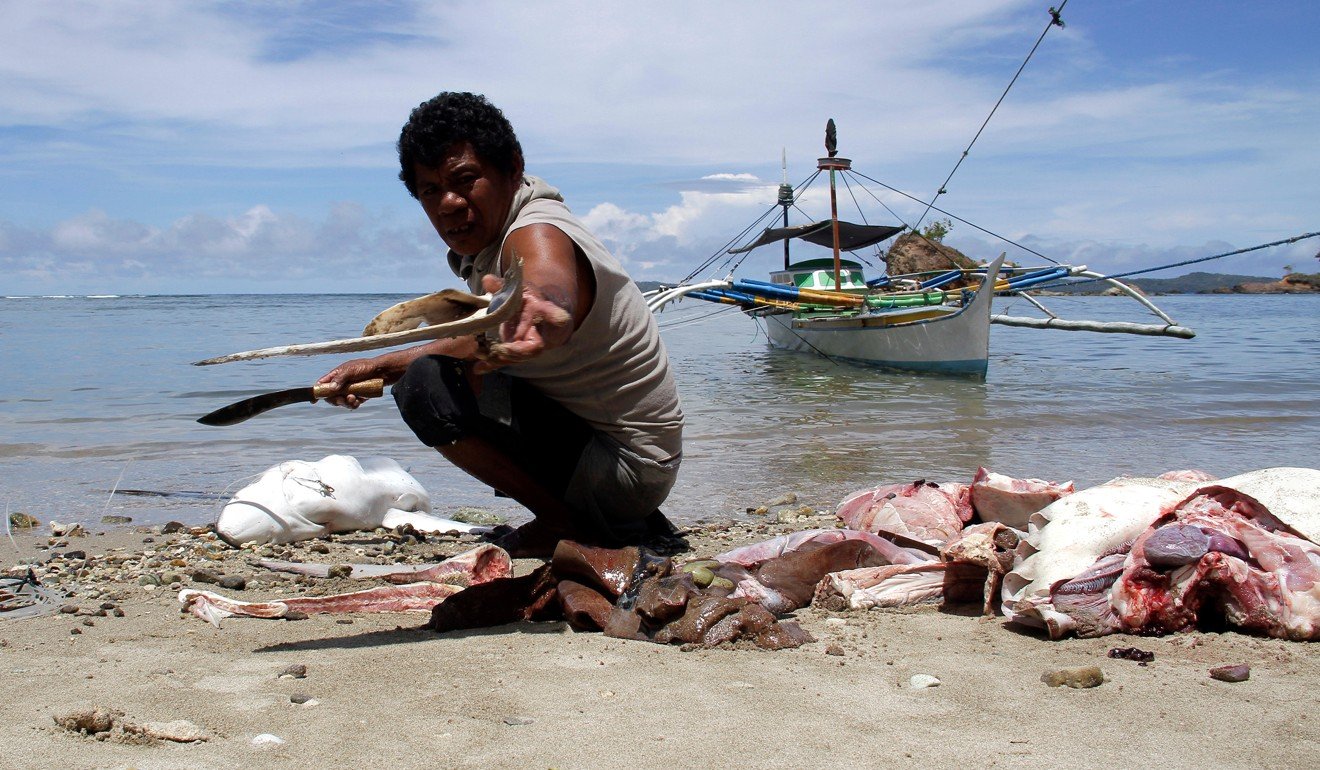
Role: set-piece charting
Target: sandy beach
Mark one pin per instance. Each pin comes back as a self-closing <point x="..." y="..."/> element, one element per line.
<point x="380" y="691"/>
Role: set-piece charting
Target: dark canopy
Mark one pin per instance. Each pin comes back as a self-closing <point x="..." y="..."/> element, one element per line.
<point x="851" y="236"/>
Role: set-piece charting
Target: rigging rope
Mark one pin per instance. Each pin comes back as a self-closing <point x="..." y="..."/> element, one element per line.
<point x="1055" y="21"/>
<point x="722" y="251"/>
<point x="950" y="215"/>
<point x="704" y="317"/>
<point x="738" y="259"/>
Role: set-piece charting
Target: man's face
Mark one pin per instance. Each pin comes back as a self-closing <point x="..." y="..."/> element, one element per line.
<point x="466" y="198"/>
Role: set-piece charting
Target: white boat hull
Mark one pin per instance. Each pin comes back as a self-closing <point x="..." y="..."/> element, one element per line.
<point x="943" y="340"/>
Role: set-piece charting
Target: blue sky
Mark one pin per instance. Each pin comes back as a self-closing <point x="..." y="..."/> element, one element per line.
<point x="184" y="147"/>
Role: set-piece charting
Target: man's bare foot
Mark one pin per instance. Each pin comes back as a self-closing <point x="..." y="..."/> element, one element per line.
<point x="533" y="540"/>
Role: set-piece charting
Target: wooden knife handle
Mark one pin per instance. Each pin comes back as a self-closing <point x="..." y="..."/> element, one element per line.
<point x="365" y="389"/>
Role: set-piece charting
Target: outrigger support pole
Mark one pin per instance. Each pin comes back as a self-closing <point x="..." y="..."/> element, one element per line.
<point x="1112" y="327"/>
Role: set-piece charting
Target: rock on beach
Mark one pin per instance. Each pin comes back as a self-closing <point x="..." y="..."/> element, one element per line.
<point x="1081" y="677"/>
<point x="1240" y="672"/>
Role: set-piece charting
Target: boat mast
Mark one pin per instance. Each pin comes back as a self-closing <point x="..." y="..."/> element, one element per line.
<point x="785" y="199"/>
<point x="833" y="164"/>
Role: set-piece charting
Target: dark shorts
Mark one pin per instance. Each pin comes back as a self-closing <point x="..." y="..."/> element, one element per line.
<point x="610" y="487"/>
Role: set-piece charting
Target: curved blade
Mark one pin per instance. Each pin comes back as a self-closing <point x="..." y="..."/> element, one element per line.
<point x="251" y="407"/>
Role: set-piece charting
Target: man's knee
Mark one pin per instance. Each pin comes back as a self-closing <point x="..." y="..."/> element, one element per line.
<point x="435" y="400"/>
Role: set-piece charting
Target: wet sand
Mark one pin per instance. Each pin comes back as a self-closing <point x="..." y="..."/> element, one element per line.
<point x="385" y="693"/>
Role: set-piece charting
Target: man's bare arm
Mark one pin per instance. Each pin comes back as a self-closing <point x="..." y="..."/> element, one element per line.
<point x="558" y="293"/>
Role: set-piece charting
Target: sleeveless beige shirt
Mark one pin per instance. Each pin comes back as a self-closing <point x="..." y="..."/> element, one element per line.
<point x="614" y="371"/>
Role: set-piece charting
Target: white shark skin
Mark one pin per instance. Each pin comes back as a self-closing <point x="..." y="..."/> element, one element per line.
<point x="300" y="500"/>
<point x="1066" y="537"/>
<point x="1292" y="495"/>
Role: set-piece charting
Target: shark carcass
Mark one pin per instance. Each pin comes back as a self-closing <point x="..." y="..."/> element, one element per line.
<point x="1154" y="556"/>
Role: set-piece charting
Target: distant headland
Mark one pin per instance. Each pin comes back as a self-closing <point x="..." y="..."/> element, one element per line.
<point x="1211" y="283"/>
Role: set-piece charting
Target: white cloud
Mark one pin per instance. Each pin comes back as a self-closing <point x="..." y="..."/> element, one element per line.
<point x="669" y="243"/>
<point x="258" y="249"/>
<point x="673" y="82"/>
<point x="1097" y="142"/>
<point x="94" y="232"/>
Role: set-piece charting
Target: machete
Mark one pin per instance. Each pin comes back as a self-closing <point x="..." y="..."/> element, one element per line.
<point x="251" y="407"/>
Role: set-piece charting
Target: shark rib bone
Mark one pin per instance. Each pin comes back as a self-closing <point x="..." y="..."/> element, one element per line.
<point x="451" y="313"/>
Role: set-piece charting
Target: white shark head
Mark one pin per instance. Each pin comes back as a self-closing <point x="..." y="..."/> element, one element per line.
<point x="299" y="500"/>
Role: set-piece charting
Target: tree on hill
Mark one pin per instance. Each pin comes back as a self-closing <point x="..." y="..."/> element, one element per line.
<point x="937" y="229"/>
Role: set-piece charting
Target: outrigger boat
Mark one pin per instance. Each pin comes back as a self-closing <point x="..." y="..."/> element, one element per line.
<point x="915" y="322"/>
<point x="825" y="306"/>
<point x="892" y="330"/>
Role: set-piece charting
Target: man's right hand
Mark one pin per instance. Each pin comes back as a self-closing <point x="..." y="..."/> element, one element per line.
<point x="349" y="372"/>
<point x="391" y="366"/>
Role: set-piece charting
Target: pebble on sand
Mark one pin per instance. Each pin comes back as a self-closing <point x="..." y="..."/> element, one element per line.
<point x="1081" y="677"/>
<point x="67" y="530"/>
<point x="922" y="681"/>
<point x="266" y="739"/>
<point x="233" y="582"/>
<point x="1240" y="672"/>
<point x="20" y="520"/>
<point x="294" y="671"/>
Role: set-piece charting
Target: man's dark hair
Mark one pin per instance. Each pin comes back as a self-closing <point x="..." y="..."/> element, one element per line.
<point x="456" y="116"/>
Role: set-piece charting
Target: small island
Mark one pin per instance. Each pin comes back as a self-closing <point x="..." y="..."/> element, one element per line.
<point x="1292" y="283"/>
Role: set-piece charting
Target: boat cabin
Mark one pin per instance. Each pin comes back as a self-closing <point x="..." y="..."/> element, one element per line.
<point x="819" y="274"/>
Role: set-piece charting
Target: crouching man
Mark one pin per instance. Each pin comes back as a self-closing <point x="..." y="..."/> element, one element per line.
<point x="572" y="411"/>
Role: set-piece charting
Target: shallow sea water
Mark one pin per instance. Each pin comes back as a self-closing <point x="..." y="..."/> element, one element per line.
<point x="100" y="395"/>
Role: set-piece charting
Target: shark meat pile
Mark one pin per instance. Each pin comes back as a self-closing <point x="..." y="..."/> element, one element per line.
<point x="1134" y="555"/>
